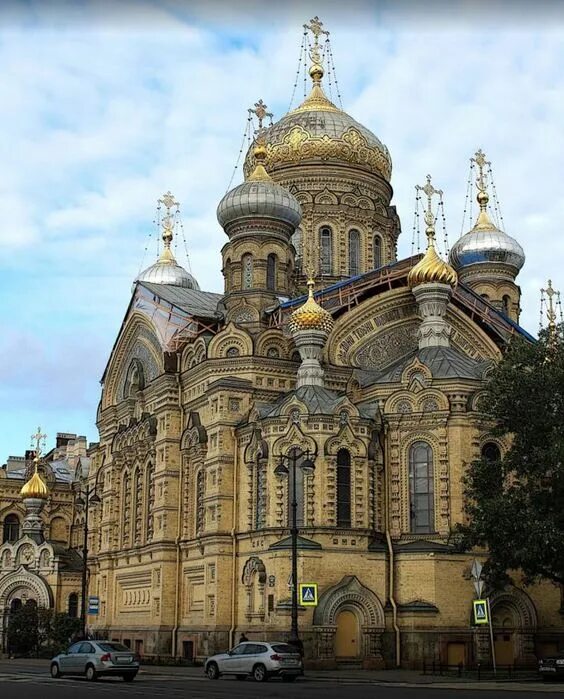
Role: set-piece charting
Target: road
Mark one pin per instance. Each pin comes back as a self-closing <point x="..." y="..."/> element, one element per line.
<point x="19" y="685"/>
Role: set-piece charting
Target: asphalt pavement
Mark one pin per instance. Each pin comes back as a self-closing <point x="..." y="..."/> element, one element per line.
<point x="19" y="684"/>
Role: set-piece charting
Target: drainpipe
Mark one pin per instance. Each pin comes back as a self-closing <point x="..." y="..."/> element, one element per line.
<point x="382" y="438"/>
<point x="179" y="519"/>
<point x="234" y="542"/>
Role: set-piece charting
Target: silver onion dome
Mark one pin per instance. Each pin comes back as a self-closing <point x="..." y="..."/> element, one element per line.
<point x="259" y="198"/>
<point x="168" y="271"/>
<point x="487" y="245"/>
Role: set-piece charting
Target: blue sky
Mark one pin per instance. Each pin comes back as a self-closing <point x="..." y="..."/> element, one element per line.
<point x="108" y="105"/>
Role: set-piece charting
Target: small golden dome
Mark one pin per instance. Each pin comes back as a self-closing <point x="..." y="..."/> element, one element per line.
<point x="35" y="487"/>
<point x="311" y="316"/>
<point x="431" y="268"/>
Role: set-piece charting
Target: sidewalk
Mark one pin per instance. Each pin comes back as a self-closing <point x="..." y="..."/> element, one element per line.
<point x="405" y="678"/>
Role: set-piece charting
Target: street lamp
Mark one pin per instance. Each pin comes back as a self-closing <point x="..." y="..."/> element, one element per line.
<point x="282" y="471"/>
<point x="85" y="499"/>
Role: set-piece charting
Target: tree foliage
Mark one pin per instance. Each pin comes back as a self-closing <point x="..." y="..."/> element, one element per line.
<point x="31" y="629"/>
<point x="515" y="506"/>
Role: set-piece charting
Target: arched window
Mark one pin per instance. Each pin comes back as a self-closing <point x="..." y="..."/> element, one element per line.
<point x="297" y="242"/>
<point x="247" y="271"/>
<point x="15" y="604"/>
<point x="377" y="250"/>
<point x="271" y="272"/>
<point x="421" y="490"/>
<point x="485" y="297"/>
<point x="150" y="479"/>
<point x="200" y="502"/>
<point x="260" y="495"/>
<point x="11" y="528"/>
<point x="73" y="605"/>
<point x="326" y="250"/>
<point x="299" y="490"/>
<point x="491" y="452"/>
<point x="227" y="273"/>
<point x="506" y="304"/>
<point x="343" y="488"/>
<point x="354" y="252"/>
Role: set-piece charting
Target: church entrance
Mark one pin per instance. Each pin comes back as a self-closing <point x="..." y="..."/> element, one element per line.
<point x="347" y="635"/>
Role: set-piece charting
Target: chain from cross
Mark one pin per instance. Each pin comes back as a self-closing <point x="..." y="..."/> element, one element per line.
<point x="36" y="440"/>
<point x="480" y="160"/>
<point x="429" y="191"/>
<point x="261" y="112"/>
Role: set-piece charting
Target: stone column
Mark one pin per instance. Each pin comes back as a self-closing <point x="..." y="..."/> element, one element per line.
<point x="33" y="524"/>
<point x="310" y="345"/>
<point x="432" y="301"/>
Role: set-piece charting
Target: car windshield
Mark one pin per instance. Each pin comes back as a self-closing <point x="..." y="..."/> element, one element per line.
<point x="114" y="648"/>
<point x="284" y="648"/>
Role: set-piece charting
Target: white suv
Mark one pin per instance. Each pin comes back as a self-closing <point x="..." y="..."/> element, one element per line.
<point x="259" y="659"/>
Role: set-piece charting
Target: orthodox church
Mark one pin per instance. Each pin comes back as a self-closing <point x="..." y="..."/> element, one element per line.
<point x="330" y="381"/>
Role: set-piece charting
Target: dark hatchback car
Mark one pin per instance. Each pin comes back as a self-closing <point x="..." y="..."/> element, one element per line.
<point x="552" y="668"/>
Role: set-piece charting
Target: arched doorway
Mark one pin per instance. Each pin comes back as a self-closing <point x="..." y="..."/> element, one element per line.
<point x="514" y="622"/>
<point x="347" y="635"/>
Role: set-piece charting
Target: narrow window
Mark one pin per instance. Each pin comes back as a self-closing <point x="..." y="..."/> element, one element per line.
<point x="126" y="502"/>
<point x="227" y="273"/>
<point x="325" y="247"/>
<point x="73" y="605"/>
<point x="271" y="272"/>
<point x="354" y="252"/>
<point x="247" y="271"/>
<point x="422" y="515"/>
<point x="297" y="242"/>
<point x="11" y="529"/>
<point x="506" y="304"/>
<point x="299" y="489"/>
<point x="377" y="251"/>
<point x="343" y="488"/>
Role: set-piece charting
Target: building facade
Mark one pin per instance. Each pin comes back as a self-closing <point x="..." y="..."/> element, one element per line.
<point x="378" y="376"/>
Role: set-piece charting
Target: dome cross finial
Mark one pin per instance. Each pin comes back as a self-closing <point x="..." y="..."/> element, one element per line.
<point x="37" y="440"/>
<point x="483" y="196"/>
<point x="167" y="221"/>
<point x="316" y="71"/>
<point x="429" y="192"/>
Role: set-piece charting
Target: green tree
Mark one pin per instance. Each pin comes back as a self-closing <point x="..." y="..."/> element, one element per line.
<point x="515" y="506"/>
<point x="63" y="629"/>
<point x="23" y="634"/>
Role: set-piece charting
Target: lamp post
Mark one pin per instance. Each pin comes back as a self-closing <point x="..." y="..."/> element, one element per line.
<point x="85" y="498"/>
<point x="308" y="467"/>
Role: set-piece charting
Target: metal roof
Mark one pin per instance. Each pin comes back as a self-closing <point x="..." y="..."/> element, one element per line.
<point x="193" y="301"/>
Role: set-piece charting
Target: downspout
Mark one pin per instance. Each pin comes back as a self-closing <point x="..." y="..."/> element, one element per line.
<point x="391" y="581"/>
<point x="179" y="520"/>
<point x="234" y="543"/>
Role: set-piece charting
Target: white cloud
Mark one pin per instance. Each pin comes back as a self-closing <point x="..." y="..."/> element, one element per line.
<point x="108" y="105"/>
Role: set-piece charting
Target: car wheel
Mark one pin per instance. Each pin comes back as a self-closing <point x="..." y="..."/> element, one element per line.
<point x="288" y="678"/>
<point x="55" y="671"/>
<point x="91" y="674"/>
<point x="259" y="673"/>
<point x="129" y="677"/>
<point x="212" y="671"/>
<point x="241" y="678"/>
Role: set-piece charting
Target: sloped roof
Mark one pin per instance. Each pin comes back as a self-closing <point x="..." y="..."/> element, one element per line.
<point x="442" y="362"/>
<point x="193" y="301"/>
<point x="319" y="401"/>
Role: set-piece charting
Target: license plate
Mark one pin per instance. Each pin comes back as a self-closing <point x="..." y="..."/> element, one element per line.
<point x="547" y="669"/>
<point x="124" y="659"/>
<point x="289" y="661"/>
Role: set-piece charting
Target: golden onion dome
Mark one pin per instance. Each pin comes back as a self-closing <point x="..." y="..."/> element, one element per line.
<point x="431" y="268"/>
<point x="317" y="130"/>
<point x="35" y="487"/>
<point x="311" y="316"/>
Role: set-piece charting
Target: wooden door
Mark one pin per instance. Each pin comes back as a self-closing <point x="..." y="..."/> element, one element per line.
<point x="504" y="648"/>
<point x="456" y="653"/>
<point x="347" y="636"/>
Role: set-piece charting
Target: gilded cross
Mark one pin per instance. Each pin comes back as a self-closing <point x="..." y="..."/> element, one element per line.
<point x="429" y="192"/>
<point x="551" y="311"/>
<point x="261" y="111"/>
<point x="480" y="160"/>
<point x="36" y="440"/>
<point x="315" y="27"/>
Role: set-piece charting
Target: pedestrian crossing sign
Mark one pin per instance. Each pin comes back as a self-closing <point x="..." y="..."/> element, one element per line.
<point x="480" y="611"/>
<point x="308" y="594"/>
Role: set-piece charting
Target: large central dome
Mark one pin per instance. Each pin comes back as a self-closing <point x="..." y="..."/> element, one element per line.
<point x="319" y="131"/>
